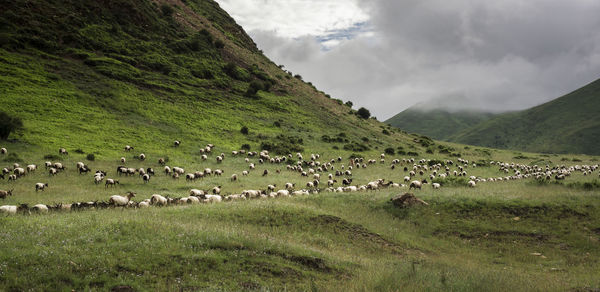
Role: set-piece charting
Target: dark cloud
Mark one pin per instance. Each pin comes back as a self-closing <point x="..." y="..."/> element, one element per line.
<point x="488" y="55"/>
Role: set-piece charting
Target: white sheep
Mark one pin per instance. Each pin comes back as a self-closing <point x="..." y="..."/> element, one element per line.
<point x="146" y="178"/>
<point x="245" y="173"/>
<point x="158" y="200"/>
<point x="31" y="168"/>
<point x="415" y="184"/>
<point x="216" y="190"/>
<point x="436" y="185"/>
<point x="40" y="208"/>
<point x="111" y="182"/>
<point x="471" y="184"/>
<point x="117" y="200"/>
<point x="213" y="198"/>
<point x="196" y="192"/>
<point x="142" y="156"/>
<point x="40" y="186"/>
<point x="123" y="159"/>
<point x="3" y="150"/>
<point x="234" y="177"/>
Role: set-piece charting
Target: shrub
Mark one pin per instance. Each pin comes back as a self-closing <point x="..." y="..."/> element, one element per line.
<point x="52" y="157"/>
<point x="244" y="130"/>
<point x="389" y="151"/>
<point x="365" y="139"/>
<point x="167" y="10"/>
<point x="358" y="147"/>
<point x="363" y="113"/>
<point x="8" y="125"/>
<point x="385" y="132"/>
<point x="253" y="88"/>
<point x="79" y="151"/>
<point x="277" y="124"/>
<point x="298" y="76"/>
<point x="429" y="151"/>
<point x="219" y="44"/>
<point x="90" y="157"/>
<point x="246" y="146"/>
<point x="13" y="157"/>
<point x="349" y="103"/>
<point x="412" y="153"/>
<point x="354" y="155"/>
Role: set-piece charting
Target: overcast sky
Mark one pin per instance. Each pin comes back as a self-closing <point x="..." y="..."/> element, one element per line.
<point x="387" y="55"/>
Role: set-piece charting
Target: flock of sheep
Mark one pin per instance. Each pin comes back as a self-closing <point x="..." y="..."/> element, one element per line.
<point x="313" y="169"/>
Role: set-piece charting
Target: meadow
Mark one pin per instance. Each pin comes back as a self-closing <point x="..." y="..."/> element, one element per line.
<point x="517" y="235"/>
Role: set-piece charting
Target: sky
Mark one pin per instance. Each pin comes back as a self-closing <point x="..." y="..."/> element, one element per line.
<point x="387" y="55"/>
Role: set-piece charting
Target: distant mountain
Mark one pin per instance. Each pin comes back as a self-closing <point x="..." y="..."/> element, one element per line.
<point x="569" y="124"/>
<point x="436" y="123"/>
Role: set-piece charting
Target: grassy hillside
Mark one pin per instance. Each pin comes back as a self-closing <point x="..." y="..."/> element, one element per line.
<point x="569" y="124"/>
<point x="436" y="123"/>
<point x="97" y="75"/>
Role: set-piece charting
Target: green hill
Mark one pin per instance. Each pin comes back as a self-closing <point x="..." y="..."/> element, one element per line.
<point x="97" y="75"/>
<point x="569" y="124"/>
<point x="436" y="123"/>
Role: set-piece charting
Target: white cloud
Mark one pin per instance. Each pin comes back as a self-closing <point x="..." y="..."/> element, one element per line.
<point x="387" y="55"/>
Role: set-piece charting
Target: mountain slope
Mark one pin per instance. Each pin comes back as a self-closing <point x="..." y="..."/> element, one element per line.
<point x="101" y="74"/>
<point x="436" y="123"/>
<point x="569" y="124"/>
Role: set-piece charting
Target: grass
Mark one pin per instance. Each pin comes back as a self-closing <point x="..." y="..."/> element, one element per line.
<point x="466" y="239"/>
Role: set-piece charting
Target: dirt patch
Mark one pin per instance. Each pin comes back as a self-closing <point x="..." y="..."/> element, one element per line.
<point x="407" y="200"/>
<point x="356" y="232"/>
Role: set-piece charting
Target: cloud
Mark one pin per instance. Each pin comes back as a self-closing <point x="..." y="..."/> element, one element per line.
<point x="387" y="55"/>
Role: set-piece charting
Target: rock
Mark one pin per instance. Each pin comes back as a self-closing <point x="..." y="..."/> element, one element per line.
<point x="407" y="200"/>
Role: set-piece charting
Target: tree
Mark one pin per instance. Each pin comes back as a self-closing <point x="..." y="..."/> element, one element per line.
<point x="9" y="124"/>
<point x="349" y="103"/>
<point x="364" y="113"/>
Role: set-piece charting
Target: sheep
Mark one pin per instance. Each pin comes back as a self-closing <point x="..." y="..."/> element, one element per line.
<point x="123" y="160"/>
<point x="289" y="186"/>
<point x="346" y="181"/>
<point x="245" y="173"/>
<point x="142" y="156"/>
<point x="219" y="159"/>
<point x="58" y="166"/>
<point x="271" y="187"/>
<point x="436" y="185"/>
<point x="144" y="204"/>
<point x="266" y="172"/>
<point x="161" y="161"/>
<point x="415" y="184"/>
<point x="213" y="198"/>
<point x="193" y="200"/>
<point x="31" y="168"/>
<point x="234" y="197"/>
<point x="331" y="182"/>
<point x="146" y="178"/>
<point x="283" y="193"/>
<point x="218" y="172"/>
<point x="117" y="200"/>
<point x="63" y="151"/>
<point x="176" y="143"/>
<point x="111" y="182"/>
<point x="158" y="200"/>
<point x="40" y="208"/>
<point x="3" y="150"/>
<point x="196" y="192"/>
<point x="98" y="179"/>
<point x="190" y="176"/>
<point x="11" y="209"/>
<point x="52" y="171"/>
<point x="12" y="177"/>
<point x="167" y="170"/>
<point x="4" y="194"/>
<point x="5" y="171"/>
<point x="40" y="186"/>
<point x="19" y="171"/>
<point x="128" y="148"/>
<point x="471" y="184"/>
<point x="216" y="190"/>
<point x="178" y="170"/>
<point x="234" y="177"/>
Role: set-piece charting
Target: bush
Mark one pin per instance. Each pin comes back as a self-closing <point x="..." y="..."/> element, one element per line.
<point x="219" y="44"/>
<point x="253" y="88"/>
<point x="167" y="10"/>
<point x="298" y="76"/>
<point x="385" y="132"/>
<point x="246" y="146"/>
<point x="79" y="151"/>
<point x="277" y="124"/>
<point x="90" y="157"/>
<point x="13" y="157"/>
<point x="412" y="153"/>
<point x="358" y="147"/>
<point x="244" y="130"/>
<point x="349" y="104"/>
<point x="389" y="151"/>
<point x="52" y="157"/>
<point x="8" y="125"/>
<point x="363" y="113"/>
<point x="354" y="155"/>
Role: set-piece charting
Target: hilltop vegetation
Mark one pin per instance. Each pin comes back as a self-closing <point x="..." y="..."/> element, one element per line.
<point x="569" y="124"/>
<point x="437" y="123"/>
<point x="98" y="75"/>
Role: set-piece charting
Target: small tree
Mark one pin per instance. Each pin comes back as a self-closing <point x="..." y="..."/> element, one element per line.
<point x="363" y="113"/>
<point x="9" y="124"/>
<point x="349" y="104"/>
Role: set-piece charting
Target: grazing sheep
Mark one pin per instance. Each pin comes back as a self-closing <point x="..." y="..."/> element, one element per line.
<point x="58" y="166"/>
<point x="289" y="186"/>
<point x="19" y="171"/>
<point x="117" y="200"/>
<point x="123" y="160"/>
<point x="128" y="148"/>
<point x="245" y="173"/>
<point x="144" y="204"/>
<point x="283" y="193"/>
<point x="219" y="159"/>
<point x="11" y="209"/>
<point x="196" y="192"/>
<point x="41" y="208"/>
<point x="40" y="186"/>
<point x="146" y="178"/>
<point x="216" y="190"/>
<point x="176" y="143"/>
<point x="471" y="184"/>
<point x="111" y="182"/>
<point x="4" y="194"/>
<point x="234" y="177"/>
<point x="175" y="175"/>
<point x="142" y="156"/>
<point x="167" y="170"/>
<point x="98" y="179"/>
<point x="178" y="170"/>
<point x="213" y="198"/>
<point x="436" y="185"/>
<point x="5" y="171"/>
<point x="207" y="171"/>
<point x="3" y="150"/>
<point x="218" y="172"/>
<point x="158" y="200"/>
<point x="63" y="151"/>
<point x="52" y="171"/>
<point x="12" y="177"/>
<point x="415" y="184"/>
<point x="266" y="172"/>
<point x="161" y="161"/>
<point x="193" y="200"/>
<point x="31" y="168"/>
<point x="190" y="177"/>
